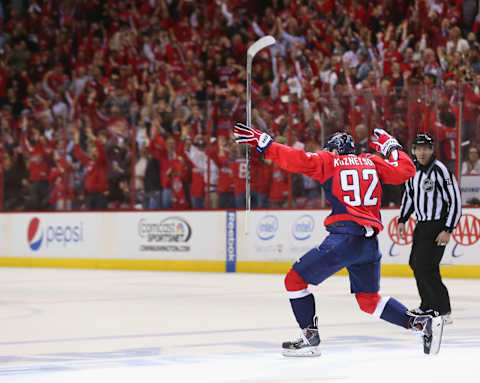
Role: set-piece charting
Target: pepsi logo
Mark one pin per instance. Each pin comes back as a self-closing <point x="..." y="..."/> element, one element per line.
<point x="34" y="234"/>
<point x="51" y="236"/>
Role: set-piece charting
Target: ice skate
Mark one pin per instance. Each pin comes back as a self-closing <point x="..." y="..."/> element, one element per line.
<point x="447" y="319"/>
<point x="307" y="345"/>
<point x="430" y="327"/>
<point x="416" y="311"/>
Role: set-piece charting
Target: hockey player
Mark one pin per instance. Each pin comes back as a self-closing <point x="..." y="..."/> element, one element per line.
<point x="352" y="186"/>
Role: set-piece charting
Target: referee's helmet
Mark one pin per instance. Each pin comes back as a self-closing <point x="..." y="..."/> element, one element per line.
<point x="423" y="139"/>
<point x="343" y="142"/>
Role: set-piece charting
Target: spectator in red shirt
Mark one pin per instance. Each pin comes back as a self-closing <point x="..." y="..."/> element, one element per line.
<point x="36" y="151"/>
<point x="178" y="176"/>
<point x="239" y="173"/>
<point x="225" y="174"/>
<point x="262" y="179"/>
<point x="279" y="187"/>
<point x="169" y="160"/>
<point x="61" y="183"/>
<point x="96" y="166"/>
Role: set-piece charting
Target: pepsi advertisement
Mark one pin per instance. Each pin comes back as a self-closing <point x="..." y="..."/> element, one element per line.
<point x="58" y="234"/>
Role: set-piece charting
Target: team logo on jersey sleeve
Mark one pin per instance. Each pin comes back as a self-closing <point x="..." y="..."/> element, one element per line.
<point x="34" y="234"/>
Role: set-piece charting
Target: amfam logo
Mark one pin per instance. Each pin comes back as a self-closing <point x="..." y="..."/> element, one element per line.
<point x="303" y="227"/>
<point x="53" y="235"/>
<point x="267" y="227"/>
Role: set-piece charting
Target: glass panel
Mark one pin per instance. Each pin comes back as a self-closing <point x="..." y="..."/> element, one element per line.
<point x="166" y="153"/>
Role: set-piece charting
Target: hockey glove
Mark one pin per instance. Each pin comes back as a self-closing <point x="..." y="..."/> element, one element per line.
<point x="250" y="135"/>
<point x="385" y="144"/>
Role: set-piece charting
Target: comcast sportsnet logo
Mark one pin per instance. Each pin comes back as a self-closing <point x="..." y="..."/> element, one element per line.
<point x="34" y="234"/>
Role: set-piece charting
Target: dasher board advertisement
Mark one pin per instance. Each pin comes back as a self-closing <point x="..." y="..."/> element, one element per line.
<point x="283" y="235"/>
<point x="170" y="235"/>
<point x="463" y="248"/>
<point x="470" y="189"/>
<point x="63" y="235"/>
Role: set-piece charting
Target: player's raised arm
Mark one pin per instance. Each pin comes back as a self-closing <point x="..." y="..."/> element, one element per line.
<point x="397" y="167"/>
<point x="287" y="157"/>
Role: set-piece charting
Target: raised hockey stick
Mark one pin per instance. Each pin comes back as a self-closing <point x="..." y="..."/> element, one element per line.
<point x="253" y="49"/>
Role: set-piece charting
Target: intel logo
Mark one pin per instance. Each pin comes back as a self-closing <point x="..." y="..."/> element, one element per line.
<point x="267" y="227"/>
<point x="303" y="227"/>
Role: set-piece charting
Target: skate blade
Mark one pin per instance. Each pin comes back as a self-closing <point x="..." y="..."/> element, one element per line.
<point x="437" y="333"/>
<point x="447" y="320"/>
<point x="303" y="352"/>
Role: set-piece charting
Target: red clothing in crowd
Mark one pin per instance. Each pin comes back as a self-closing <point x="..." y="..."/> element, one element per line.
<point x="179" y="200"/>
<point x="279" y="185"/>
<point x="61" y="187"/>
<point x="167" y="162"/>
<point x="197" y="187"/>
<point x="37" y="156"/>
<point x="239" y="172"/>
<point x="167" y="165"/>
<point x="447" y="139"/>
<point x="96" y="177"/>
<point x="262" y="177"/>
<point x="224" y="126"/>
<point x="225" y="175"/>
<point x="472" y="103"/>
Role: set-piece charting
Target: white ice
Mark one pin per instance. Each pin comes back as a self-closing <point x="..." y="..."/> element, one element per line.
<point x="69" y="326"/>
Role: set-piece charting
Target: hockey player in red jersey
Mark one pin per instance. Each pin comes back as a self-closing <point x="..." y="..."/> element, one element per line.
<point x="352" y="186"/>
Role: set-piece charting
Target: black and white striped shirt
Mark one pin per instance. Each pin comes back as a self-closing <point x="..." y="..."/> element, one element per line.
<point x="433" y="194"/>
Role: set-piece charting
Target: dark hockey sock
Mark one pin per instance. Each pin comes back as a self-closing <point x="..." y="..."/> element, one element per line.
<point x="394" y="312"/>
<point x="304" y="310"/>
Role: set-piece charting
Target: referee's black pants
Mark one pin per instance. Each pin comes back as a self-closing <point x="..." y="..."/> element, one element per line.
<point x="425" y="260"/>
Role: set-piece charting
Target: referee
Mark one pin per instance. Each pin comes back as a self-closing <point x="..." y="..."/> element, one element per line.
<point x="434" y="196"/>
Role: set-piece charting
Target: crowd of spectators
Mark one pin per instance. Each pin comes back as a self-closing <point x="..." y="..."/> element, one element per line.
<point x="130" y="103"/>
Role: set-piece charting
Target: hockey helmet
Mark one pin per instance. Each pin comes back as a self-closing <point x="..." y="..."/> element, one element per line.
<point x="423" y="139"/>
<point x="343" y="142"/>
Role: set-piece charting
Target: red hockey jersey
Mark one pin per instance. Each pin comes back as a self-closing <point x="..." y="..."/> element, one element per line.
<point x="239" y="171"/>
<point x="351" y="183"/>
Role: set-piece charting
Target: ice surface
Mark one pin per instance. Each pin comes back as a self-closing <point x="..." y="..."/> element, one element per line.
<point x="122" y="326"/>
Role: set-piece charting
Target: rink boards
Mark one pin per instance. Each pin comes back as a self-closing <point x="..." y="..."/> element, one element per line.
<point x="266" y="241"/>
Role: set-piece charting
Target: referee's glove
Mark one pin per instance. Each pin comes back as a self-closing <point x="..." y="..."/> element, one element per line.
<point x="249" y="135"/>
<point x="385" y="144"/>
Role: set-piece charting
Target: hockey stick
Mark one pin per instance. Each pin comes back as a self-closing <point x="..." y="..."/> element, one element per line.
<point x="253" y="49"/>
